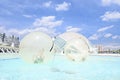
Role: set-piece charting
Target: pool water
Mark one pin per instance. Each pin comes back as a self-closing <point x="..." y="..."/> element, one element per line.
<point x="60" y="68"/>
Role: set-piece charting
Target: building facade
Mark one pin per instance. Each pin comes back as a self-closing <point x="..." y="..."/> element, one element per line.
<point x="11" y="41"/>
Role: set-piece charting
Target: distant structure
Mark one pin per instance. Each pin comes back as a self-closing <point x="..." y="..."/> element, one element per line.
<point x="104" y="49"/>
<point x="8" y="43"/>
<point x="99" y="48"/>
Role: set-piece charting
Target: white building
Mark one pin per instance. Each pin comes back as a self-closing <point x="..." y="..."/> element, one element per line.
<point x="9" y="40"/>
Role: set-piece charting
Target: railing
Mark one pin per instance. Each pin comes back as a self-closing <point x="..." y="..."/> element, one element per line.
<point x="8" y="49"/>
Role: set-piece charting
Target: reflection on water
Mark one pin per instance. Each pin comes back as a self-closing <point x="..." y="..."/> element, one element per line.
<point x="58" y="70"/>
<point x="94" y="68"/>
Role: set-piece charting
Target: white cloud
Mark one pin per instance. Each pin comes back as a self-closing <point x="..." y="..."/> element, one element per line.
<point x="94" y="37"/>
<point x="5" y="11"/>
<point x="22" y="32"/>
<point x="45" y="24"/>
<point x="47" y="4"/>
<point x="11" y="8"/>
<point x="13" y="31"/>
<point x="108" y="16"/>
<point x="47" y="21"/>
<point x="2" y="29"/>
<point x="110" y="2"/>
<point x="63" y="7"/>
<point x="112" y="46"/>
<point x="105" y="28"/>
<point x="18" y="32"/>
<point x="116" y="37"/>
<point x="8" y="31"/>
<point x="100" y="34"/>
<point x="29" y="16"/>
<point x="73" y="29"/>
<point x="107" y="35"/>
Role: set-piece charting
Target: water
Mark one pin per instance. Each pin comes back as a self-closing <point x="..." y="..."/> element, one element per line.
<point x="94" y="68"/>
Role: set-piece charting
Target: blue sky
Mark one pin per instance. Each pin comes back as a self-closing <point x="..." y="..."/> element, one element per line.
<point x="98" y="20"/>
